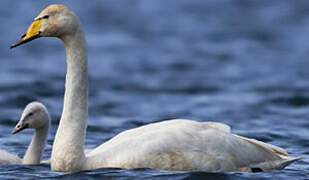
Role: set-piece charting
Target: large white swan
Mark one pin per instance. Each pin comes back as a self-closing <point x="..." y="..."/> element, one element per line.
<point x="169" y="145"/>
<point x="35" y="116"/>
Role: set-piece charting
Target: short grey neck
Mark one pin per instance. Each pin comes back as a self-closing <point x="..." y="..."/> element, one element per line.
<point x="36" y="148"/>
<point x="71" y="131"/>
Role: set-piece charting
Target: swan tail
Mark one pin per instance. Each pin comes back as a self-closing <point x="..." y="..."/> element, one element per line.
<point x="283" y="159"/>
<point x="287" y="160"/>
<point x="271" y="165"/>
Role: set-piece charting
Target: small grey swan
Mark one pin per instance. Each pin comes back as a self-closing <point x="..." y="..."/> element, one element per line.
<point x="178" y="144"/>
<point x="35" y="116"/>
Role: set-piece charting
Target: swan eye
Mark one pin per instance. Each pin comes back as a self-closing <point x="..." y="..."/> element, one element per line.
<point x="45" y="17"/>
<point x="30" y="114"/>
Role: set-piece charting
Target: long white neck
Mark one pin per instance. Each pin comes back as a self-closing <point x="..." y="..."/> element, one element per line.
<point x="36" y="148"/>
<point x="68" y="148"/>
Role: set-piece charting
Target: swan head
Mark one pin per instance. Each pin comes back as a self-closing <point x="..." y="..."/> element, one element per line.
<point x="54" y="21"/>
<point x="35" y="116"/>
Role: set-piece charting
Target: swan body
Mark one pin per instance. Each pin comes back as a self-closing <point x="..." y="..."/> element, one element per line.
<point x="9" y="158"/>
<point x="35" y="116"/>
<point x="187" y="145"/>
<point x="168" y="145"/>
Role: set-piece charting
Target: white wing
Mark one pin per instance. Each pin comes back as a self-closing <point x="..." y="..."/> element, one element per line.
<point x="187" y="145"/>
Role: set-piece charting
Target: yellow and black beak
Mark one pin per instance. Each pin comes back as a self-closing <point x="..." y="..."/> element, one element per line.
<point x="32" y="33"/>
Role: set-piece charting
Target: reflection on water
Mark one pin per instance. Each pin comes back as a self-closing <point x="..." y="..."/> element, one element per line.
<point x="243" y="63"/>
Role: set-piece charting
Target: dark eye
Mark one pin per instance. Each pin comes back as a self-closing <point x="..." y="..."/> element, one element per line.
<point x="45" y="17"/>
<point x="30" y="114"/>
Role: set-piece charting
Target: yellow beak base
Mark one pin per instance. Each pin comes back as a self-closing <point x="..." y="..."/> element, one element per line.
<point x="32" y="33"/>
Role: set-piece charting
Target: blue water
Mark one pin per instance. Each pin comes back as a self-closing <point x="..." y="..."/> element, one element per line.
<point x="244" y="63"/>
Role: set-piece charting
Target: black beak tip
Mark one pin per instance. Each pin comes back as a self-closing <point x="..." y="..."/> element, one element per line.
<point x="14" y="131"/>
<point x="22" y="41"/>
<point x="12" y="46"/>
<point x="19" y="128"/>
<point x="17" y="43"/>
